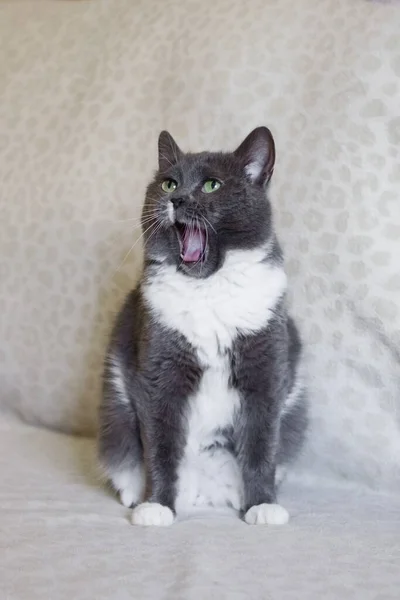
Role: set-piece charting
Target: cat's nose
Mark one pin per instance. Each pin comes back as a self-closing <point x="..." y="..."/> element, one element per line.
<point x="177" y="202"/>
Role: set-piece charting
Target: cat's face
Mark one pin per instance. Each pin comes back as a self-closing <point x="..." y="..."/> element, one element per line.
<point x="199" y="206"/>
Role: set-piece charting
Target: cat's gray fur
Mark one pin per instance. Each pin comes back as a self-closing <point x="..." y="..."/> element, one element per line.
<point x="169" y="352"/>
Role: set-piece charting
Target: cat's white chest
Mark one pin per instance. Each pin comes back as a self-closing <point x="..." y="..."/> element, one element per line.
<point x="210" y="313"/>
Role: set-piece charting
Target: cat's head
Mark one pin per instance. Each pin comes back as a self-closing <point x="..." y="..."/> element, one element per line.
<point x="201" y="205"/>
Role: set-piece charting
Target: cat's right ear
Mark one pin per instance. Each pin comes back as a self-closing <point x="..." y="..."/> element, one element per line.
<point x="169" y="152"/>
<point x="257" y="155"/>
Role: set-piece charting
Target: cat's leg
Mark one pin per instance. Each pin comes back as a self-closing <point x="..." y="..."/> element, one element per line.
<point x="120" y="450"/>
<point x="257" y="458"/>
<point x="294" y="412"/>
<point x="129" y="482"/>
<point x="170" y="377"/>
<point x="280" y="474"/>
<point x="163" y="440"/>
<point x="260" y="378"/>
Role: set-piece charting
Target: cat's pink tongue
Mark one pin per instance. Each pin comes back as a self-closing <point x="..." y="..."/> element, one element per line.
<point x="193" y="244"/>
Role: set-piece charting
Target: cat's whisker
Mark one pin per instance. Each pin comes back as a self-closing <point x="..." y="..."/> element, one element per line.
<point x="130" y="230"/>
<point x="134" y="244"/>
<point x="154" y="232"/>
<point x="138" y="220"/>
<point x="213" y="228"/>
<point x="151" y="207"/>
<point x="126" y="220"/>
<point x="144" y="213"/>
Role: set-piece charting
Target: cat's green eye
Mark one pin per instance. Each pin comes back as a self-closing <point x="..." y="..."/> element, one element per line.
<point x="169" y="185"/>
<point x="211" y="185"/>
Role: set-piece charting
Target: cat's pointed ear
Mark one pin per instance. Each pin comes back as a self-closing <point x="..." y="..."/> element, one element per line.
<point x="257" y="155"/>
<point x="169" y="152"/>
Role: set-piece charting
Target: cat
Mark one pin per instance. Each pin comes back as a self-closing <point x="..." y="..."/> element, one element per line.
<point x="204" y="403"/>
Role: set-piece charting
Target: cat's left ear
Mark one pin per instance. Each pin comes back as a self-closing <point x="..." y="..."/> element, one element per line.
<point x="257" y="155"/>
<point x="169" y="152"/>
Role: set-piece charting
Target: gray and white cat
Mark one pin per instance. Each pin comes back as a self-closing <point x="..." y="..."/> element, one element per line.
<point x="204" y="405"/>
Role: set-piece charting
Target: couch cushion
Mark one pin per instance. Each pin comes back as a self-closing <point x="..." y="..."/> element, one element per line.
<point x="86" y="87"/>
<point x="62" y="536"/>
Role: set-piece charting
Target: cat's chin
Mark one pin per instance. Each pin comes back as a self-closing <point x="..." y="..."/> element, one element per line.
<point x="200" y="269"/>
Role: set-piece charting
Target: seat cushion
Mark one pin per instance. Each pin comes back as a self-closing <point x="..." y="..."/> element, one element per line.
<point x="64" y="536"/>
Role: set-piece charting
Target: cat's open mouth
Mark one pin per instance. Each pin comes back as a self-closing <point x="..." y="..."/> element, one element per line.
<point x="192" y="241"/>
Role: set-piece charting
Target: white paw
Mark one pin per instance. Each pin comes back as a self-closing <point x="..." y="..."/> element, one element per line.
<point x="267" y="514"/>
<point x="152" y="513"/>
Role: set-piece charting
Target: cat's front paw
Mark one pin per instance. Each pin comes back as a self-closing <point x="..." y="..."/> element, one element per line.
<point x="267" y="514"/>
<point x="152" y="514"/>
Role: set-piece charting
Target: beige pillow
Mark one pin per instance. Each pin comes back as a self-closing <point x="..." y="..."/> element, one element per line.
<point x="86" y="87"/>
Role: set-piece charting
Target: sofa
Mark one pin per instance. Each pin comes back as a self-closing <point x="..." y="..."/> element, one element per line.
<point x="86" y="86"/>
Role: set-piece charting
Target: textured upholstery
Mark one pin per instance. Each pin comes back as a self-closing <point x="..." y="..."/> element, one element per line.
<point x="86" y="86"/>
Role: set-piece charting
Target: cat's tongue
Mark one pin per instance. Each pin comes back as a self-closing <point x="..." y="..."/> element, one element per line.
<point x="193" y="244"/>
